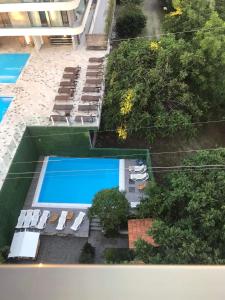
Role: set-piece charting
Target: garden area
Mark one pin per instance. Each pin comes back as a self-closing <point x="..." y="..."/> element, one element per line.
<point x="168" y="95"/>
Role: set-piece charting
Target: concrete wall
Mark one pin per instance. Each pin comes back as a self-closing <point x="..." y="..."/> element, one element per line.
<point x="96" y="41"/>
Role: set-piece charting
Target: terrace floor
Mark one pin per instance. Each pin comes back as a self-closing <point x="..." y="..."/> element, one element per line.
<point x="35" y="90"/>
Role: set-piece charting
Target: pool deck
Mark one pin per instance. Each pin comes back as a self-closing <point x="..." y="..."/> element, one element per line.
<point x="132" y="193"/>
<point x="35" y="90"/>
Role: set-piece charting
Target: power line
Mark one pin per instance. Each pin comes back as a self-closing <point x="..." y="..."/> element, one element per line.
<point x="136" y="129"/>
<point x="161" y="171"/>
<point x="168" y="33"/>
<point x="124" y="155"/>
<point x="116" y="169"/>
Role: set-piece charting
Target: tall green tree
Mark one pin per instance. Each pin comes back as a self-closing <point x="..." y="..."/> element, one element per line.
<point x="188" y="15"/>
<point x="112" y="208"/>
<point x="148" y="85"/>
<point x="189" y="213"/>
<point x="130" y="21"/>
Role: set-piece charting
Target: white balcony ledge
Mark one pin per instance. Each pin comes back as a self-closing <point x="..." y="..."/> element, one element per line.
<point x="41" y="6"/>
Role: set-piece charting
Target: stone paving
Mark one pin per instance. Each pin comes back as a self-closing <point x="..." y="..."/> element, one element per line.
<point x="35" y="91"/>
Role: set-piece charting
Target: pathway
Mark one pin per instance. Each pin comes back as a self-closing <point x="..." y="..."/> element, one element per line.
<point x="152" y="11"/>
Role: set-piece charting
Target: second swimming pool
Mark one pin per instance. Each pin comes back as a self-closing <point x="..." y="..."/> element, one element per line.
<point x="4" y="105"/>
<point x="11" y="65"/>
<point x="66" y="182"/>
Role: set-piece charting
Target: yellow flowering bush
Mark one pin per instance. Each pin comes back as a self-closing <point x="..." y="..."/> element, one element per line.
<point x="127" y="102"/>
<point x="122" y="132"/>
<point x="154" y="45"/>
<point x="177" y="12"/>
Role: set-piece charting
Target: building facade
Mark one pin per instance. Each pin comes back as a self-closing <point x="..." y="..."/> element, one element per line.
<point x="40" y="21"/>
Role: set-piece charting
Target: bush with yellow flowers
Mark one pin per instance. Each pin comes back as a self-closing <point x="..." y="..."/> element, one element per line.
<point x="122" y="132"/>
<point x="177" y="12"/>
<point x="127" y="102"/>
<point x="154" y="45"/>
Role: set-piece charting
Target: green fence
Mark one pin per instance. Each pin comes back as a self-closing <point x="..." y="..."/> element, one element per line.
<point x="14" y="190"/>
<point x="45" y="141"/>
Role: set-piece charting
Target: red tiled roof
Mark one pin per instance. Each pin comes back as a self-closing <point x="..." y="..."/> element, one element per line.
<point x="138" y="228"/>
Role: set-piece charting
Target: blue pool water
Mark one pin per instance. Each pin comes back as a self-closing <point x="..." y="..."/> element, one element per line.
<point x="4" y="104"/>
<point x="11" y="65"/>
<point x="80" y="180"/>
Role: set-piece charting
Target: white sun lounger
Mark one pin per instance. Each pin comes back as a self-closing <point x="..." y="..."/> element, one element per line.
<point x="62" y="220"/>
<point x="35" y="217"/>
<point x="138" y="169"/>
<point x="28" y="218"/>
<point x="77" y="222"/>
<point x="21" y="219"/>
<point x="43" y="219"/>
<point x="139" y="177"/>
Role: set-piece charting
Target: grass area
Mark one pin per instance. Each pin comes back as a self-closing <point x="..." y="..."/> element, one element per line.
<point x="210" y="136"/>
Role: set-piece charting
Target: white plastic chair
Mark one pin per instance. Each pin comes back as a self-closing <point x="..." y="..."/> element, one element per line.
<point x="139" y="177"/>
<point x="62" y="220"/>
<point x="77" y="222"/>
<point x="43" y="219"/>
<point x="21" y="219"/>
<point x="35" y="218"/>
<point x="138" y="169"/>
<point x="28" y="218"/>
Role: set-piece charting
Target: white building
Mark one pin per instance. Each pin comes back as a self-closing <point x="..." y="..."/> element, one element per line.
<point x="44" y="21"/>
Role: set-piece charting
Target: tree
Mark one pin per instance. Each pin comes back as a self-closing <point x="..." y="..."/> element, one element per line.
<point x="220" y="8"/>
<point x="112" y="208"/>
<point x="188" y="15"/>
<point x="130" y="21"/>
<point x="189" y="214"/>
<point x="152" y="90"/>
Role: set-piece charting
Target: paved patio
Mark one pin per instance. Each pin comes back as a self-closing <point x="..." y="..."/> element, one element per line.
<point x="35" y="91"/>
<point x="100" y="242"/>
<point x="58" y="250"/>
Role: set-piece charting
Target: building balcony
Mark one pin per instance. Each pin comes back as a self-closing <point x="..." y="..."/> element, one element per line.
<point x="38" y="5"/>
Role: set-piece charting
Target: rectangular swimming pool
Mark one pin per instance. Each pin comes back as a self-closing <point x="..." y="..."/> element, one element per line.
<point x="4" y="105"/>
<point x="11" y="65"/>
<point x="73" y="182"/>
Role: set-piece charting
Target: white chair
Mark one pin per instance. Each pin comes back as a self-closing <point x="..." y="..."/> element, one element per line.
<point x="35" y="217"/>
<point x="43" y="219"/>
<point x="28" y="218"/>
<point x="138" y="169"/>
<point x="77" y="222"/>
<point x="139" y="177"/>
<point x="21" y="219"/>
<point x="62" y="220"/>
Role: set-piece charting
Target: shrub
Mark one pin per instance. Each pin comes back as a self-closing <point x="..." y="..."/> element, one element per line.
<point x="118" y="255"/>
<point x="130" y="21"/>
<point x="112" y="208"/>
<point x="87" y="254"/>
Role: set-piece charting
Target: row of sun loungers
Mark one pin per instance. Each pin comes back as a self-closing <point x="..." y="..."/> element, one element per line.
<point x="66" y="93"/>
<point x="138" y="173"/>
<point x="93" y="84"/>
<point x="63" y="218"/>
<point x="33" y="219"/>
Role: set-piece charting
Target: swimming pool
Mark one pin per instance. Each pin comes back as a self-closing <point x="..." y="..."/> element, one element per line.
<point x="11" y="65"/>
<point x="73" y="182"/>
<point x="4" y="105"/>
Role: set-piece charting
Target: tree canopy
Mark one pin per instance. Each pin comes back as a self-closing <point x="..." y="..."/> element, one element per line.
<point x="130" y="21"/>
<point x="189" y="214"/>
<point x="167" y="84"/>
<point x="112" y="208"/>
